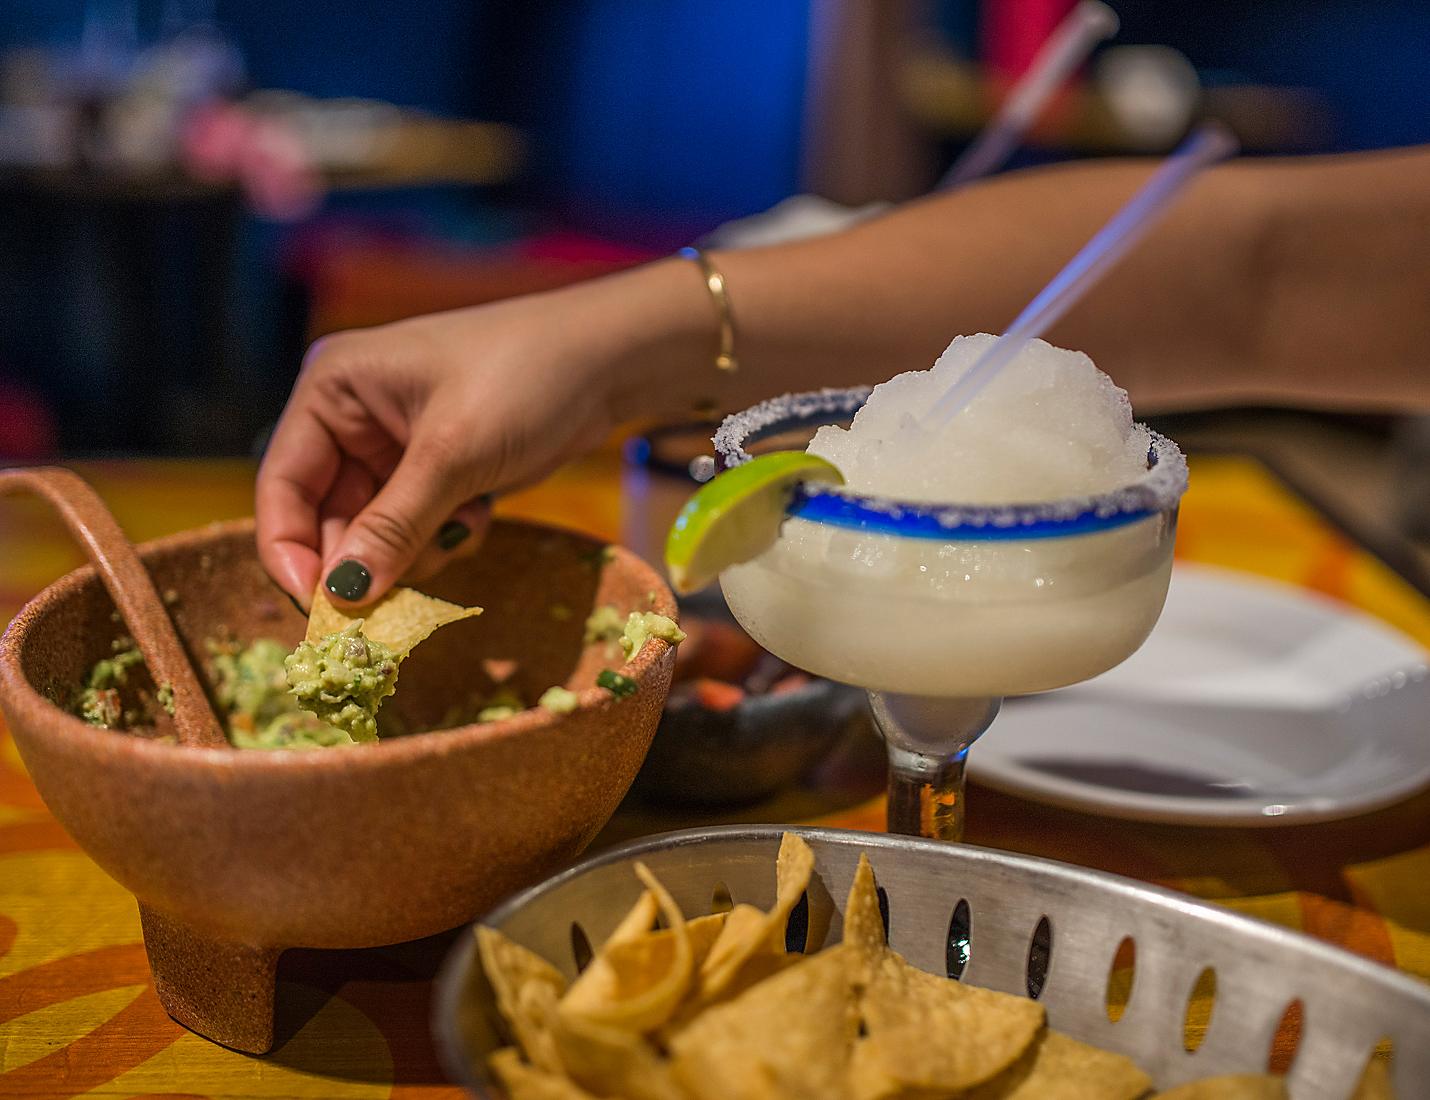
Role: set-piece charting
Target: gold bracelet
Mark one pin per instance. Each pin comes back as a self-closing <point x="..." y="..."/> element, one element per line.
<point x="725" y="360"/>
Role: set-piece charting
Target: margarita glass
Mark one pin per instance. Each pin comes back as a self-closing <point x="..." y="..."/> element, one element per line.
<point x="941" y="610"/>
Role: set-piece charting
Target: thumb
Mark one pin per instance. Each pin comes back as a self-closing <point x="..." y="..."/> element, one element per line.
<point x="386" y="537"/>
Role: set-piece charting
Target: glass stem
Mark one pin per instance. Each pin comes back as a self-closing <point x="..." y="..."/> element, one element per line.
<point x="926" y="794"/>
<point x="927" y="740"/>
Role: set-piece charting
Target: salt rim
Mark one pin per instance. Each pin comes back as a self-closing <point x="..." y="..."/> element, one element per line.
<point x="1158" y="490"/>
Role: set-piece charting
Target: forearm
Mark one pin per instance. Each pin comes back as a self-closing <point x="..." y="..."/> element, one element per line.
<point x="1262" y="283"/>
<point x="889" y="295"/>
<point x="1345" y="311"/>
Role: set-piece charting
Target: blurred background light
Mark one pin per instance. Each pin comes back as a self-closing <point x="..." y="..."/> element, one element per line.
<point x="191" y="190"/>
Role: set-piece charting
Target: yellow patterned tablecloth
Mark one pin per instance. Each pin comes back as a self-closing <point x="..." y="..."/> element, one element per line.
<point x="78" y="1014"/>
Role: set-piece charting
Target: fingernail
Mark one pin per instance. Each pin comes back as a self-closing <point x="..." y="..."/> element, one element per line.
<point x="452" y="533"/>
<point x="349" y="580"/>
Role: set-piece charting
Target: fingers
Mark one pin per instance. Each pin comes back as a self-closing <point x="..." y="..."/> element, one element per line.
<point x="297" y="473"/>
<point x="386" y="537"/>
<point x="459" y="537"/>
<point x="352" y="489"/>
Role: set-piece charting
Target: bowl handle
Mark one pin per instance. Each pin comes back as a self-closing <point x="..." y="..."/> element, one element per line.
<point x="130" y="586"/>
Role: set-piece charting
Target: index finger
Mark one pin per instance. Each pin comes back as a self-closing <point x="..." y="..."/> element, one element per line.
<point x="297" y="472"/>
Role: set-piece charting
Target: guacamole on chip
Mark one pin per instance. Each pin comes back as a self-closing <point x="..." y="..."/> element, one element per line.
<point x="342" y="679"/>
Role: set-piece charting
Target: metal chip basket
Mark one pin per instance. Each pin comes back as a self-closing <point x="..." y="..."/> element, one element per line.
<point x="1012" y="923"/>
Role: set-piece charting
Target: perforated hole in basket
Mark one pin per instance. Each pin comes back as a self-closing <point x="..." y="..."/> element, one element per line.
<point x="960" y="940"/>
<point x="1286" y="1039"/>
<point x="797" y="927"/>
<point x="720" y="899"/>
<point x="1121" y="973"/>
<point x="1040" y="957"/>
<point x="1198" y="1017"/>
<point x="580" y="947"/>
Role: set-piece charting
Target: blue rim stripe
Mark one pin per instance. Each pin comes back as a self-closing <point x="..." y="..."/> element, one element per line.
<point x="838" y="510"/>
<point x="815" y="502"/>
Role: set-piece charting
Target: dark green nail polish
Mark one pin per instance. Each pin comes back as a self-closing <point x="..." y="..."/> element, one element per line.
<point x="452" y="533"/>
<point x="349" y="580"/>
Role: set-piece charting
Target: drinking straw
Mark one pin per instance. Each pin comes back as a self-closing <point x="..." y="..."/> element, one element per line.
<point x="803" y="216"/>
<point x="1207" y="145"/>
<point x="1067" y="47"/>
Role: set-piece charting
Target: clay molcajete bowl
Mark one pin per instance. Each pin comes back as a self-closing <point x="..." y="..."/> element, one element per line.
<point x="236" y="855"/>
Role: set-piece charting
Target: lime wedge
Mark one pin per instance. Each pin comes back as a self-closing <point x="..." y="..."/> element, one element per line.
<point x="737" y="515"/>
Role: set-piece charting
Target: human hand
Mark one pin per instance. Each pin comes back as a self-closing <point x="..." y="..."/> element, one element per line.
<point x="394" y="437"/>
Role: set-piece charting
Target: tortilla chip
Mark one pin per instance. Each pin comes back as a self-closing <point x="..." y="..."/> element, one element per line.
<point x="1057" y="1067"/>
<point x="630" y="966"/>
<point x="863" y="925"/>
<point x="1375" y="1083"/>
<point x="789" y="1036"/>
<point x="524" y="1082"/>
<point x="635" y="983"/>
<point x="611" y="1061"/>
<point x="399" y="620"/>
<point x="903" y="1007"/>
<point x="743" y="1019"/>
<point x="744" y="933"/>
<point x="793" y="867"/>
<point x="639" y="921"/>
<point x="1235" y="1086"/>
<point x="519" y="978"/>
<point x="868" y="1079"/>
<point x="748" y="932"/>
<point x="536" y="1009"/>
<point x="704" y="931"/>
<point x="756" y="968"/>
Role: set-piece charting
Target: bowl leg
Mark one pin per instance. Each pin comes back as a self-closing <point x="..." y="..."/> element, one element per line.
<point x="220" y="989"/>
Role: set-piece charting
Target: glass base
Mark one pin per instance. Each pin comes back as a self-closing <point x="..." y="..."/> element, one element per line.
<point x="928" y="738"/>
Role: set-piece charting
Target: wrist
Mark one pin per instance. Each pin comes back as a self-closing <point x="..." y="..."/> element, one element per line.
<point x="659" y="337"/>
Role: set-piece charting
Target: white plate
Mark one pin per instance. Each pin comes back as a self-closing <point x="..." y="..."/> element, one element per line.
<point x="1252" y="703"/>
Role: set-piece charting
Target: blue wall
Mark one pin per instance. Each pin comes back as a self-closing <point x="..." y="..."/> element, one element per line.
<point x="418" y="53"/>
<point x="696" y="113"/>
<point x="1370" y="59"/>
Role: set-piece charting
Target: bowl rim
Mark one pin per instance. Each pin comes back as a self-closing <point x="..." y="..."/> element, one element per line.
<point x="19" y="695"/>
